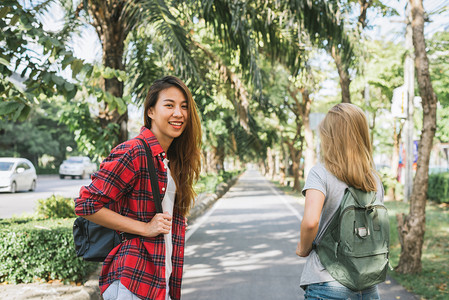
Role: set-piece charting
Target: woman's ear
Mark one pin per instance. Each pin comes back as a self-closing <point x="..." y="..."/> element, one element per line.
<point x="150" y="113"/>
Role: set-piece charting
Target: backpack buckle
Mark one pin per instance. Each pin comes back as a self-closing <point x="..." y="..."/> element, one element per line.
<point x="362" y="232"/>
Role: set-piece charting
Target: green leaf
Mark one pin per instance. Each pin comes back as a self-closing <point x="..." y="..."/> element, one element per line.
<point x="68" y="59"/>
<point x="121" y="107"/>
<point x="57" y="79"/>
<point x="4" y="62"/>
<point x="14" y="20"/>
<point x="71" y="94"/>
<point x="8" y="107"/>
<point x="46" y="77"/>
<point x="108" y="73"/>
<point x="4" y="12"/>
<point x="76" y="67"/>
<point x="24" y="113"/>
<point x="69" y="86"/>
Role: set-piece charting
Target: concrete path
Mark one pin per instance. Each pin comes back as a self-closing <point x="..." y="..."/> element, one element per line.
<point x="244" y="247"/>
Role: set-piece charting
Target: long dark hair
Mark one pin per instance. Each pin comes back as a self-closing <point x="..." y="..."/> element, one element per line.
<point x="184" y="152"/>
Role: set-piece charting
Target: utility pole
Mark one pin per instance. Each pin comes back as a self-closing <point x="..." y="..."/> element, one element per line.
<point x="409" y="83"/>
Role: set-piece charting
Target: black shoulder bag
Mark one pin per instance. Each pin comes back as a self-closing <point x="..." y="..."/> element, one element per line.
<point x="94" y="242"/>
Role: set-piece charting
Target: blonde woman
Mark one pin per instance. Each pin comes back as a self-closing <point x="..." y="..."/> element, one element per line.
<point x="150" y="265"/>
<point x="346" y="160"/>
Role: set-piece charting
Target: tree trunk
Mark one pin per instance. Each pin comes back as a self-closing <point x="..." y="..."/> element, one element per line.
<point x="342" y="67"/>
<point x="395" y="159"/>
<point x="283" y="165"/>
<point x="372" y="125"/>
<point x="309" y="155"/>
<point x="412" y="227"/>
<point x="271" y="163"/>
<point x="343" y="74"/>
<point x="218" y="155"/>
<point x="364" y="5"/>
<point x="112" y="33"/>
<point x="262" y="166"/>
<point x="295" y="156"/>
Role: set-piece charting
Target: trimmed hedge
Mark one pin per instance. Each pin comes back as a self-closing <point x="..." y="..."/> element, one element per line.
<point x="56" y="207"/>
<point x="209" y="182"/>
<point x="37" y="251"/>
<point x="438" y="190"/>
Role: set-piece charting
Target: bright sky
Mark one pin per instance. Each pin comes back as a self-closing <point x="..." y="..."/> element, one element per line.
<point x="384" y="27"/>
<point x="86" y="46"/>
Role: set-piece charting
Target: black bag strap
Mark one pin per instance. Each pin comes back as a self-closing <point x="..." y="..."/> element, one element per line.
<point x="153" y="178"/>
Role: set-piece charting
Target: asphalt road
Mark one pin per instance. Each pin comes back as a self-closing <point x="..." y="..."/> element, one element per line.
<point x="25" y="202"/>
<point x="244" y="247"/>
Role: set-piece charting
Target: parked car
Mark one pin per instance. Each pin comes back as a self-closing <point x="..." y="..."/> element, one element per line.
<point x="17" y="174"/>
<point x="77" y="166"/>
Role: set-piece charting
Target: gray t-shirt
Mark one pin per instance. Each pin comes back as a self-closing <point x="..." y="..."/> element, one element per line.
<point x="333" y="189"/>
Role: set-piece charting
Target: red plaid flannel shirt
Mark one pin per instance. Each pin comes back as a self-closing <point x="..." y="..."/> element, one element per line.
<point x="123" y="182"/>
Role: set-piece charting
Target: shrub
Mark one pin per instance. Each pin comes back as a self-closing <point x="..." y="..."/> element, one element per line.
<point x="42" y="250"/>
<point x="56" y="207"/>
<point x="439" y="187"/>
<point x="390" y="182"/>
<point x="208" y="182"/>
<point x="46" y="170"/>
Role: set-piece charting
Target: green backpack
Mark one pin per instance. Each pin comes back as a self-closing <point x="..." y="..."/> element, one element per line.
<point x="354" y="248"/>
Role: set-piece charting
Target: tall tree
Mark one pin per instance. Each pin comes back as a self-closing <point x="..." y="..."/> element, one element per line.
<point x="247" y="29"/>
<point x="439" y="68"/>
<point x="342" y="54"/>
<point x="383" y="72"/>
<point x="412" y="227"/>
<point x="113" y="20"/>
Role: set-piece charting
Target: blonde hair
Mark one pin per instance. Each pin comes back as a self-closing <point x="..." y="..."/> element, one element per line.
<point x="184" y="152"/>
<point x="346" y="149"/>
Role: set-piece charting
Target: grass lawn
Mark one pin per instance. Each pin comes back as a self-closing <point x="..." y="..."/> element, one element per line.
<point x="433" y="281"/>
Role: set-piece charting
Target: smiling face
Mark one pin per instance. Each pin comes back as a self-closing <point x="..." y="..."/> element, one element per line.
<point x="168" y="116"/>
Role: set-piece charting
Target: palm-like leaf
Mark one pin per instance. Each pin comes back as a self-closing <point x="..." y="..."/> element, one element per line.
<point x="141" y="65"/>
<point x="157" y="14"/>
<point x="243" y="24"/>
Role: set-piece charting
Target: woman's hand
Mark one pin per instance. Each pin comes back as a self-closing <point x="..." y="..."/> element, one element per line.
<point x="161" y="223"/>
<point x="301" y="252"/>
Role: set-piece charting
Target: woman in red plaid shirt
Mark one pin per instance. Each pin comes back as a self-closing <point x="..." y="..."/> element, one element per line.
<point x="149" y="266"/>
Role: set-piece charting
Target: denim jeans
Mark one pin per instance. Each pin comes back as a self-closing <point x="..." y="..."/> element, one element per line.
<point x="333" y="290"/>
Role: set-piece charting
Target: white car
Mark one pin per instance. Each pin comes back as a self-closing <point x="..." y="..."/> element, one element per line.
<point x="77" y="166"/>
<point x="17" y="174"/>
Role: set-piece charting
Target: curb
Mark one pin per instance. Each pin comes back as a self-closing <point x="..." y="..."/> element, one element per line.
<point x="90" y="290"/>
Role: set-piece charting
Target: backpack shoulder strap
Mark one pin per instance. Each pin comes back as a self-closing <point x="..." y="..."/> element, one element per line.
<point x="153" y="178"/>
<point x="361" y="198"/>
<point x="333" y="222"/>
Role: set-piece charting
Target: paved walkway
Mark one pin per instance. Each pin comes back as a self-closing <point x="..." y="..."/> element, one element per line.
<point x="244" y="247"/>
